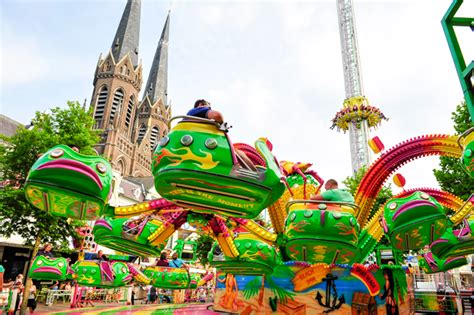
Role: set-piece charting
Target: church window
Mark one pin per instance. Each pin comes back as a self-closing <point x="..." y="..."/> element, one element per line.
<point x="141" y="133"/>
<point x="145" y="109"/>
<point x="128" y="117"/>
<point x="154" y="136"/>
<point x="116" y="104"/>
<point x="100" y="104"/>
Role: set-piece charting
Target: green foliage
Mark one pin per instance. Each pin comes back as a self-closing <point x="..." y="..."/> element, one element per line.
<point x="352" y="182"/>
<point x="71" y="125"/>
<point x="252" y="288"/>
<point x="204" y="245"/>
<point x="282" y="293"/>
<point x="451" y="176"/>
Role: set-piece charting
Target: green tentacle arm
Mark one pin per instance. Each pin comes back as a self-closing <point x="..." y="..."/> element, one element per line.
<point x="257" y="230"/>
<point x="393" y="159"/>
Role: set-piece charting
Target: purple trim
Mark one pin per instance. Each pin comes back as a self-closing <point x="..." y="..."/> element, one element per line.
<point x="142" y="225"/>
<point x="384" y="225"/>
<point x="103" y="223"/>
<point x="106" y="271"/>
<point x="48" y="270"/>
<point x="322" y="217"/>
<point x="410" y="205"/>
<point x="127" y="278"/>
<point x="441" y="240"/>
<point x="75" y="167"/>
<point x="232" y="152"/>
<point x="240" y="221"/>
<point x="454" y="259"/>
<point x="464" y="231"/>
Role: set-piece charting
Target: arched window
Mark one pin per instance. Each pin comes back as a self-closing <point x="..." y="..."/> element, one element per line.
<point x="154" y="136"/>
<point x="100" y="104"/>
<point x="141" y="133"/>
<point x="145" y="109"/>
<point x="128" y="117"/>
<point x="121" y="167"/>
<point x="116" y="104"/>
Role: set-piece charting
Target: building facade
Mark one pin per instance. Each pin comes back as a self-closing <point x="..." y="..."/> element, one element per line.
<point x="131" y="128"/>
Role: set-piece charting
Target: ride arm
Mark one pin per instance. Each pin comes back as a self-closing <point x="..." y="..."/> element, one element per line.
<point x="224" y="237"/>
<point x="136" y="209"/>
<point x="466" y="209"/>
<point x="138" y="276"/>
<point x="273" y="173"/>
<point x="167" y="228"/>
<point x="256" y="229"/>
<point x="370" y="235"/>
<point x="277" y="212"/>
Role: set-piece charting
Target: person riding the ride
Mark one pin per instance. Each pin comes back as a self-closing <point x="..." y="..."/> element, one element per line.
<point x="333" y="193"/>
<point x="202" y="109"/>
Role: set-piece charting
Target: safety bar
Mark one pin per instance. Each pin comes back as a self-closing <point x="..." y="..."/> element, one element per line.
<point x="341" y="203"/>
<point x="223" y="127"/>
<point x="464" y="135"/>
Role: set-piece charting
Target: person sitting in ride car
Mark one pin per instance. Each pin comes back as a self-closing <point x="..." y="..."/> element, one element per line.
<point x="202" y="108"/>
<point x="177" y="262"/>
<point x="333" y="193"/>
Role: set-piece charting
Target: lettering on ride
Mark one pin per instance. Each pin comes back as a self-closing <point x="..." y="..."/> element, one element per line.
<point x="235" y="204"/>
<point x="363" y="274"/>
<point x="180" y="191"/>
<point x="309" y="276"/>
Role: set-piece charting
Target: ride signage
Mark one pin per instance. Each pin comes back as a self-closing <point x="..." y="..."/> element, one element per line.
<point x="363" y="274"/>
<point x="309" y="276"/>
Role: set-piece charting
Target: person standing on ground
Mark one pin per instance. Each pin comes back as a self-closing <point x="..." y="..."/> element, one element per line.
<point x="32" y="299"/>
<point x="18" y="285"/>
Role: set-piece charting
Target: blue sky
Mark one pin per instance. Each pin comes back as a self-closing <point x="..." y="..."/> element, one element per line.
<point x="273" y="67"/>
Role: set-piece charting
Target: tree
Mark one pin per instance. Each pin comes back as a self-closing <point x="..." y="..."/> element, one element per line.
<point x="451" y="176"/>
<point x="352" y="182"/>
<point x="72" y="125"/>
<point x="204" y="245"/>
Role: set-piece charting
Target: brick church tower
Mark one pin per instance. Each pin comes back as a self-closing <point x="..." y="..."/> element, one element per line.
<point x="130" y="128"/>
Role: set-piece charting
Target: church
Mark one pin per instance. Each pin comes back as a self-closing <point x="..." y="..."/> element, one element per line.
<point x="130" y="125"/>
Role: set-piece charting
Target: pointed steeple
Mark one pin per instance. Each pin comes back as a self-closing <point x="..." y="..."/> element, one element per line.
<point x="157" y="84"/>
<point x="128" y="32"/>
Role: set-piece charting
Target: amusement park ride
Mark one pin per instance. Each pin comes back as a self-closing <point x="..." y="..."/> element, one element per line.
<point x="219" y="188"/>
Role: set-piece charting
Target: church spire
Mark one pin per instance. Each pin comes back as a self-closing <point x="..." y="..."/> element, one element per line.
<point x="157" y="84"/>
<point x="128" y="31"/>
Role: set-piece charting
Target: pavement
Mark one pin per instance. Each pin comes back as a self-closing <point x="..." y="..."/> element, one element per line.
<point x="121" y="309"/>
